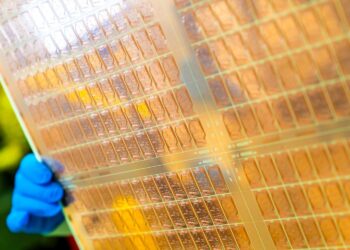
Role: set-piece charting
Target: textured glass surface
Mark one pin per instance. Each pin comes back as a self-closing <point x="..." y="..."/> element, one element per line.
<point x="188" y="124"/>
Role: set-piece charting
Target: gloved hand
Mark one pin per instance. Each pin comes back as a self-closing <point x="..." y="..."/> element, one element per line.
<point x="35" y="200"/>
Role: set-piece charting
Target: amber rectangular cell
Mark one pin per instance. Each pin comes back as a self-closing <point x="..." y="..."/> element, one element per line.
<point x="221" y="54"/>
<point x="316" y="197"/>
<point x="273" y="38"/>
<point x="339" y="99"/>
<point x="163" y="187"/>
<point x="340" y="157"/>
<point x="151" y="189"/>
<point x="188" y="214"/>
<point x="214" y="207"/>
<point x="162" y="241"/>
<point x="145" y="145"/>
<point x="158" y="38"/>
<point x="158" y="75"/>
<point x="235" y="88"/>
<point x="201" y="211"/>
<point x="319" y="104"/>
<point x="294" y="234"/>
<point x="145" y="113"/>
<point x="127" y="193"/>
<point x="340" y="48"/>
<point x="97" y="124"/>
<point x="227" y="237"/>
<point x="131" y="83"/>
<point x="151" y="218"/>
<point x="170" y="105"/>
<point x="183" y="135"/>
<point x="248" y="120"/>
<point x="335" y="196"/>
<point x="203" y="182"/>
<point x="306" y="68"/>
<point x="119" y="54"/>
<point x="283" y="113"/>
<point x="265" y="116"/>
<point x="189" y="184"/>
<point x="229" y="208"/>
<point x="52" y="106"/>
<point x="176" y="215"/>
<point x="96" y="95"/>
<point x="139" y="191"/>
<point x="186" y="240"/>
<point x="120" y="119"/>
<point x="232" y="124"/>
<point x="170" y="139"/>
<point x="163" y="217"/>
<point x="324" y="59"/>
<point x="191" y="26"/>
<point x="287" y="72"/>
<point x="301" y="109"/>
<point x="171" y="70"/>
<point x="207" y="20"/>
<point x="184" y="100"/>
<point x="85" y="98"/>
<point x="310" y="24"/>
<point x="133" y="17"/>
<point x="265" y="204"/>
<point x="299" y="200"/>
<point x="197" y="131"/>
<point x="145" y="79"/>
<point x="99" y="155"/>
<point x="252" y="173"/>
<point x="321" y="161"/>
<point x="157" y="141"/>
<point x="121" y="150"/>
<point x="343" y="223"/>
<point x="242" y="10"/>
<point x="250" y="82"/>
<point x="200" y="239"/>
<point x="176" y="185"/>
<point x="236" y="46"/>
<point x="133" y="116"/>
<point x="143" y="41"/>
<point x="206" y="60"/>
<point x="312" y="233"/>
<point x="241" y="237"/>
<point x="87" y="128"/>
<point x="267" y="75"/>
<point x="278" y="235"/>
<point x="131" y="48"/>
<point x="255" y="43"/>
<point x="213" y="238"/>
<point x="303" y="165"/>
<point x="268" y="170"/>
<point x="285" y="167"/>
<point x="329" y="231"/>
<point x="106" y="196"/>
<point x="282" y="203"/>
<point x="84" y="67"/>
<point x="108" y="122"/>
<point x="217" y="179"/>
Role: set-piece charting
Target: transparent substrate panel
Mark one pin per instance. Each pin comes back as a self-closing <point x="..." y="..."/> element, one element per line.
<point x="186" y="124"/>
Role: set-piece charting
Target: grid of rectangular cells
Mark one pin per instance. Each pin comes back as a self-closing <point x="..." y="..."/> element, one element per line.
<point x="120" y="99"/>
<point x="304" y="194"/>
<point x="272" y="65"/>
<point x="184" y="209"/>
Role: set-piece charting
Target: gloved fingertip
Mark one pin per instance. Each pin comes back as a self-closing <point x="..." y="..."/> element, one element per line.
<point x="35" y="170"/>
<point x="16" y="221"/>
<point x="55" y="193"/>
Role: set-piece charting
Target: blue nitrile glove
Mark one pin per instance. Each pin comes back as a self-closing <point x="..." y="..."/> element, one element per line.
<point x="35" y="200"/>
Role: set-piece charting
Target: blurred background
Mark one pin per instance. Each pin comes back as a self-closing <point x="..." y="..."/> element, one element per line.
<point x="13" y="147"/>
